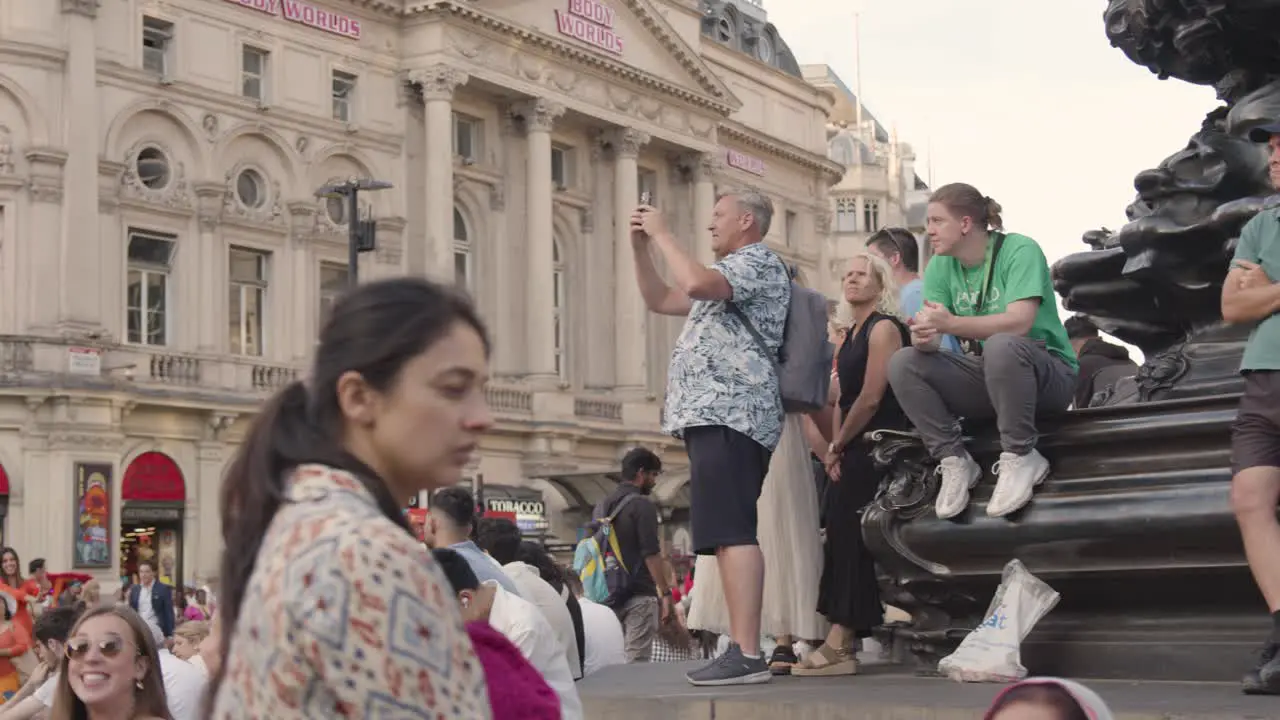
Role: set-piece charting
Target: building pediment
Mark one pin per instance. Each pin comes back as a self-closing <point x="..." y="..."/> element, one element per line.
<point x="622" y="38"/>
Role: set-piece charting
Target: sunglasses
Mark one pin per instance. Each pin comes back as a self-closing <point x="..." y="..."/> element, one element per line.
<point x="109" y="647"/>
<point x="894" y="235"/>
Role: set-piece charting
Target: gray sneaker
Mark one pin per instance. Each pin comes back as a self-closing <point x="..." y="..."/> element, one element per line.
<point x="732" y="668"/>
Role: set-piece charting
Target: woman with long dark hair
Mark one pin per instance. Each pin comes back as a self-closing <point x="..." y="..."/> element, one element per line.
<point x="110" y="668"/>
<point x="330" y="607"/>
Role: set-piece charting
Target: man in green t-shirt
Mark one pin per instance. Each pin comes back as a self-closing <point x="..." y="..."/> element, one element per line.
<point x="1249" y="295"/>
<point x="992" y="291"/>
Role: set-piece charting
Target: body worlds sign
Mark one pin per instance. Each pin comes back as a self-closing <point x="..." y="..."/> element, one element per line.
<point x="744" y="162"/>
<point x="592" y="23"/>
<point x="306" y="14"/>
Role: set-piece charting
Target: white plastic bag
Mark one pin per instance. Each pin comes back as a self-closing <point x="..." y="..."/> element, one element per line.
<point x="991" y="653"/>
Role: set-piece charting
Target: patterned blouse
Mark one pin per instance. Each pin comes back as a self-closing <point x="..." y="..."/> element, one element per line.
<point x="718" y="376"/>
<point x="347" y="616"/>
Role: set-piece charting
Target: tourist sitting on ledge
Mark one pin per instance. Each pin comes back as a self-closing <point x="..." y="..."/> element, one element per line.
<point x="1101" y="363"/>
<point x="991" y="291"/>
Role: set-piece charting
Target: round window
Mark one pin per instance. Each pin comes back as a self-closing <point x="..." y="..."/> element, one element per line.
<point x="336" y="209"/>
<point x="764" y="49"/>
<point x="153" y="169"/>
<point x="250" y="189"/>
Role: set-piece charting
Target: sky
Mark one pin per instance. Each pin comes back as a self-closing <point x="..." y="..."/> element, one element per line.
<point x="1025" y="99"/>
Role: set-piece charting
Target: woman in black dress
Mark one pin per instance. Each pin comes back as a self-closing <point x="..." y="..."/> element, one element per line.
<point x="849" y="596"/>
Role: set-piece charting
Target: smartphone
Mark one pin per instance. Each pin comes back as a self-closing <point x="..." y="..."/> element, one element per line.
<point x="646" y="198"/>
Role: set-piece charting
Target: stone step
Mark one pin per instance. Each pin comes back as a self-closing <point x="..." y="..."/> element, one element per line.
<point x="659" y="691"/>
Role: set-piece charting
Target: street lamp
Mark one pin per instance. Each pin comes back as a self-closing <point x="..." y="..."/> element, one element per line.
<point x="361" y="234"/>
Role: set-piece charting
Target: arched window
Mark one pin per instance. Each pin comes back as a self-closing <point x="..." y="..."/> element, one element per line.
<point x="461" y="251"/>
<point x="846" y="215"/>
<point x="842" y="150"/>
<point x="559" y="301"/>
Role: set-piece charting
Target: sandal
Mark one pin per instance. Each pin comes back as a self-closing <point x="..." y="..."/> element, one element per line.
<point x="827" y="661"/>
<point x="782" y="660"/>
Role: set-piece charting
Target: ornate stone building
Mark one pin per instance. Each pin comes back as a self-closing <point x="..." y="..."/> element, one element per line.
<point x="880" y="187"/>
<point x="164" y="261"/>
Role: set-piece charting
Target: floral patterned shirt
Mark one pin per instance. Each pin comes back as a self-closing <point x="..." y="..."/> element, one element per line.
<point x="347" y="616"/>
<point x="718" y="375"/>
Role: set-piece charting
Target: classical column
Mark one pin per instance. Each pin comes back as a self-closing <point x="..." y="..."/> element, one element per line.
<point x="80" y="305"/>
<point x="438" y="84"/>
<point x="540" y="350"/>
<point x="630" y="310"/>
<point x="209" y="200"/>
<point x="704" y="203"/>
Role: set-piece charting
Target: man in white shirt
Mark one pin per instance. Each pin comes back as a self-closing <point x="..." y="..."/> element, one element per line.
<point x="524" y="625"/>
<point x="184" y="683"/>
<point x="501" y="539"/>
<point x="605" y="642"/>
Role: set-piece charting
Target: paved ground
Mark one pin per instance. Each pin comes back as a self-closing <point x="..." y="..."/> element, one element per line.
<point x="632" y="692"/>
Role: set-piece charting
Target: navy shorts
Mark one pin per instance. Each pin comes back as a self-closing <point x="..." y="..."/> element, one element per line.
<point x="1255" y="435"/>
<point x="726" y="475"/>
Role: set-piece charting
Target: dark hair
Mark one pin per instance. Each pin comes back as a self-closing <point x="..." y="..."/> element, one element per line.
<point x="374" y="330"/>
<point x="147" y="563"/>
<point x="457" y="569"/>
<point x="14" y="581"/>
<point x="639" y="460"/>
<point x="1044" y="694"/>
<point x="534" y="555"/>
<point x="457" y="504"/>
<point x="964" y="200"/>
<point x="898" y="241"/>
<point x="149" y="698"/>
<point x="35" y="566"/>
<point x="1080" y="326"/>
<point x="499" y="537"/>
<point x="56" y="623"/>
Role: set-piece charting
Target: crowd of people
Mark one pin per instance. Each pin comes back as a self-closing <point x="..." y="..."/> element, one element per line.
<point x="330" y="606"/>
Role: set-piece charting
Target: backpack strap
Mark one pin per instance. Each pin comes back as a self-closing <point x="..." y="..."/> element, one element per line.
<point x="617" y="509"/>
<point x="991" y="273"/>
<point x="755" y="334"/>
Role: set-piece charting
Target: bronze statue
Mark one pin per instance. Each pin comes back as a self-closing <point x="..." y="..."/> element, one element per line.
<point x="1157" y="281"/>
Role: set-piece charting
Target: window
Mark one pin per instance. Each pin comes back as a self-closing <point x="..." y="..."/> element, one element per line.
<point x="557" y="310"/>
<point x="157" y="37"/>
<point x="247" y="300"/>
<point x="561" y="167"/>
<point x="152" y="168"/>
<point x="251" y="189"/>
<point x="871" y="215"/>
<point x="790" y="227"/>
<point x="344" y="90"/>
<point x="253" y="73"/>
<point x="647" y="182"/>
<point x="461" y="251"/>
<point x="466" y="137"/>
<point x="333" y="282"/>
<point x="147" y="304"/>
<point x="846" y="215"/>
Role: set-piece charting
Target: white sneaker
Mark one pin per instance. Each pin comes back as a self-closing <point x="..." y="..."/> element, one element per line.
<point x="1016" y="478"/>
<point x="959" y="474"/>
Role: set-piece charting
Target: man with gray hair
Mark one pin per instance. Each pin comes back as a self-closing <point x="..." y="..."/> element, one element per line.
<point x="723" y="397"/>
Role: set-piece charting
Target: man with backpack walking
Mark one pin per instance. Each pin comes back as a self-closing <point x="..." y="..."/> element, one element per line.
<point x="638" y="592"/>
<point x="727" y="386"/>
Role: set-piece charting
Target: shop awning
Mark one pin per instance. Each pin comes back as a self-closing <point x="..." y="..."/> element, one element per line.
<point x="153" y="477"/>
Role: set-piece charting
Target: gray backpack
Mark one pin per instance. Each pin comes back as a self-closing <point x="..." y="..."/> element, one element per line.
<point x="803" y="362"/>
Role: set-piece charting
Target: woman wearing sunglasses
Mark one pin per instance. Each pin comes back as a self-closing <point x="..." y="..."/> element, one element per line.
<point x="110" y="670"/>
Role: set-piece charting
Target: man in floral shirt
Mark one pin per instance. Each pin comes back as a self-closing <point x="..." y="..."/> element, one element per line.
<point x="723" y="398"/>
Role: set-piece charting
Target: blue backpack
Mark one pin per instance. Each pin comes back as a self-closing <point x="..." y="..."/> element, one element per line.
<point x="598" y="561"/>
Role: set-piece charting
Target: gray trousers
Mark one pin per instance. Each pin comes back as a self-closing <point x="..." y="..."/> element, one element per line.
<point x="639" y="617"/>
<point x="1013" y="380"/>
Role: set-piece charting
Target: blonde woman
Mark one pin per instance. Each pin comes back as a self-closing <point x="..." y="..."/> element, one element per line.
<point x="848" y="594"/>
<point x="792" y="548"/>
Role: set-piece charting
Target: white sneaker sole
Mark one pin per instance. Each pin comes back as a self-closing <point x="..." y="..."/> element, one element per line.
<point x="977" y="478"/>
<point x="759" y="678"/>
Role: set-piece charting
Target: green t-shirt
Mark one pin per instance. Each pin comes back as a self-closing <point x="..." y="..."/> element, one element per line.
<point x="1021" y="273"/>
<point x="1260" y="243"/>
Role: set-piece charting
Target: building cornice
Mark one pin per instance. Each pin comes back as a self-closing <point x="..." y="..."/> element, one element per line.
<point x="713" y="95"/>
<point x="29" y="54"/>
<point x="831" y="170"/>
<point x="237" y="107"/>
